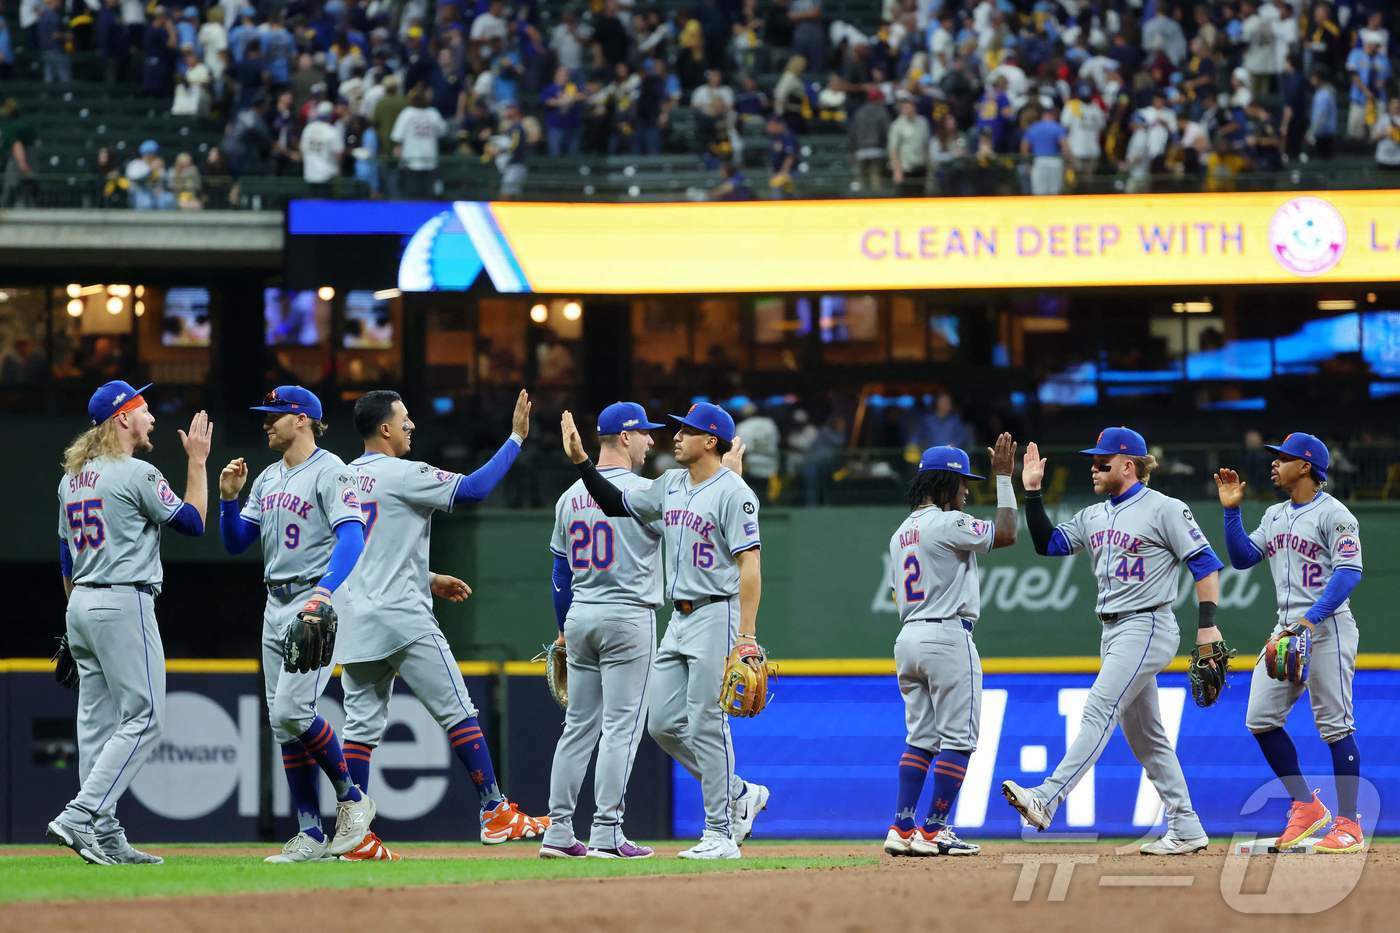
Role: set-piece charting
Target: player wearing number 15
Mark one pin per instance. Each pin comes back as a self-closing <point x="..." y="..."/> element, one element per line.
<point x="111" y="507"/>
<point x="1137" y="541"/>
<point x="1313" y="547"/>
<point x="933" y="572"/>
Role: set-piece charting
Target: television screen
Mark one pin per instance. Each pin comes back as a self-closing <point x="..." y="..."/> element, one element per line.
<point x="369" y="322"/>
<point x="186" y="318"/>
<point x="295" y="318"/>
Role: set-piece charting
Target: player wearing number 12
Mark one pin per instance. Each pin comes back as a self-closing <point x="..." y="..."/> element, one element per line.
<point x="1137" y="541"/>
<point x="1313" y="547"/>
<point x="933" y="572"/>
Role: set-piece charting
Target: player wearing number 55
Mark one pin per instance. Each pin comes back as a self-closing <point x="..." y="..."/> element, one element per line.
<point x="1137" y="541"/>
<point x="1313" y="547"/>
<point x="710" y="543"/>
<point x="111" y="507"/>
<point x="305" y="512"/>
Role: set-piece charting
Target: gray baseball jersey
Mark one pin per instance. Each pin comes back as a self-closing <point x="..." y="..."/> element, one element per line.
<point x="1303" y="546"/>
<point x="389" y="596"/>
<point x="297" y="510"/>
<point x="1138" y="544"/>
<point x="612" y="561"/>
<point x="110" y="514"/>
<point x="705" y="528"/>
<point x="933" y="564"/>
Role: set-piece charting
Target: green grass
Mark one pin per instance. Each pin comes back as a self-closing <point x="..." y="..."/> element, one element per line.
<point x="45" y="877"/>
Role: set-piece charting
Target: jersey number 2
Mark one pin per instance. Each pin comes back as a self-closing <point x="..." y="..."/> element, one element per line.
<point x="912" y="574"/>
<point x="85" y="518"/>
<point x="592" y="545"/>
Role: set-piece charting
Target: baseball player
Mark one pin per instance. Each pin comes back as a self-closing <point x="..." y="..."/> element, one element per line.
<point x="1138" y="539"/>
<point x="933" y="572"/>
<point x="1313" y="547"/>
<point x="305" y="512"/>
<point x="111" y="507"/>
<point x="710" y="544"/>
<point x="390" y="603"/>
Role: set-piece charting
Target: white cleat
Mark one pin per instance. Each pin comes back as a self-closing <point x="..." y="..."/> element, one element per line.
<point x="352" y="824"/>
<point x="747" y="806"/>
<point x="1027" y="804"/>
<point x="1172" y="844"/>
<point x="943" y="842"/>
<point x="713" y="846"/>
<point x="897" y="842"/>
<point x="301" y="848"/>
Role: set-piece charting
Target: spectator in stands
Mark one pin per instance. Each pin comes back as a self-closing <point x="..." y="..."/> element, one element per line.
<point x="1137" y="158"/>
<point x="321" y="146"/>
<point x="1163" y="33"/>
<point x="113" y="186"/>
<point x="146" y="175"/>
<point x="1261" y="60"/>
<point x="908" y="149"/>
<point x="790" y="95"/>
<point x="415" y="135"/>
<point x="1294" y="118"/>
<point x="247" y="141"/>
<point x="186" y="184"/>
<point x="279" y="51"/>
<point x="112" y="41"/>
<point x="869" y="131"/>
<point x="52" y="42"/>
<point x="1368" y="70"/>
<point x="762" y="442"/>
<point x="23" y="363"/>
<point x="159" y="49"/>
<point x="1046" y="144"/>
<point x="714" y="89"/>
<point x="1084" y="122"/>
<point x="1386" y="135"/>
<point x="995" y="114"/>
<point x="387" y="109"/>
<point x="947" y="150"/>
<point x="570" y="40"/>
<point x="734" y="187"/>
<point x="563" y="114"/>
<point x="1323" y="45"/>
<point x="610" y="35"/>
<point x="821" y="457"/>
<point x="17" y="135"/>
<point x="286" y="123"/>
<point x="808" y="33"/>
<point x="782" y="157"/>
<point x="1223" y="166"/>
<point x="244" y="33"/>
<point x="212" y="37"/>
<point x="511" y="153"/>
<point x="1322" y="125"/>
<point x="1265" y="145"/>
<point x="217" y="183"/>
<point x="360" y="159"/>
<point x="943" y="425"/>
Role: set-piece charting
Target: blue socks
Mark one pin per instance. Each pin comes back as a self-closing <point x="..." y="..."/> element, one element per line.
<point x="357" y="762"/>
<point x="949" y="770"/>
<point x="304" y="783"/>
<point x="1282" y="756"/>
<point x="469" y="744"/>
<point x="321" y="744"/>
<point x="913" y="768"/>
<point x="1346" y="765"/>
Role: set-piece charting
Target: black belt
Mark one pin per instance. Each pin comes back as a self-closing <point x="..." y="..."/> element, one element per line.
<point x="966" y="623"/>
<point x="286" y="589"/>
<point x="1108" y="618"/>
<point x="148" y="588"/>
<point x="686" y="606"/>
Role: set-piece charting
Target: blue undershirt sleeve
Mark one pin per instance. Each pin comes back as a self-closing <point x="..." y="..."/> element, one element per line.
<point x="235" y="530"/>
<point x="1204" y="563"/>
<point x="349" y="545"/>
<point x="475" y="487"/>
<point x="187" y="521"/>
<point x="1243" y="552"/>
<point x="562" y="582"/>
<point x="1339" y="587"/>
<point x="65" y="560"/>
<point x="1059" y="545"/>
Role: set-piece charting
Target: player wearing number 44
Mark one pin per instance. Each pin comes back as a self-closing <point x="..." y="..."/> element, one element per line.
<point x="1313" y="547"/>
<point x="933" y="572"/>
<point x="1138" y="539"/>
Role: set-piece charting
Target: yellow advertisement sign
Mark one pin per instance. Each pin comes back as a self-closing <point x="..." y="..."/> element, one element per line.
<point x="968" y="243"/>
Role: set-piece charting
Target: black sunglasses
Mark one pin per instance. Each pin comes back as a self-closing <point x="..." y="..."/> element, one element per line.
<point x="1101" y="466"/>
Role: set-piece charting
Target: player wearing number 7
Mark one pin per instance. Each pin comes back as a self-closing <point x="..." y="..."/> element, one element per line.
<point x="1313" y="547"/>
<point x="1137" y="540"/>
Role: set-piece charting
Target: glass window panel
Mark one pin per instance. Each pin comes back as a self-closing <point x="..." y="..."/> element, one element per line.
<point x="90" y="342"/>
<point x="850" y="328"/>
<point x="909" y="341"/>
<point x="660" y="340"/>
<point x="501" y="347"/>
<point x="173" y="332"/>
<point x="23" y="336"/>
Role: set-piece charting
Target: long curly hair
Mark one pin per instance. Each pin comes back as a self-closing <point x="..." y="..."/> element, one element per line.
<point x="938" y="487"/>
<point x="97" y="441"/>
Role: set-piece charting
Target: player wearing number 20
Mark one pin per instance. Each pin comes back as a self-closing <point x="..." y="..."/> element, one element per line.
<point x="1137" y="539"/>
<point x="1313" y="547"/>
<point x="933" y="571"/>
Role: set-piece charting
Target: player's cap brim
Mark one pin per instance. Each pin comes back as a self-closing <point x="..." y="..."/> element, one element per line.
<point x="702" y="428"/>
<point x="1103" y="452"/>
<point x="144" y="387"/>
<point x="1279" y="450"/>
<point x="969" y="474"/>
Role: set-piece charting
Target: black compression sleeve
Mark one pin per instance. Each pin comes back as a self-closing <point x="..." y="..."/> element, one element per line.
<point x="1038" y="522"/>
<point x="608" y="496"/>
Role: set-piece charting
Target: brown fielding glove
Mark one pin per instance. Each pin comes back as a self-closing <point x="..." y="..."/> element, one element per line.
<point x="1210" y="665"/>
<point x="65" y="669"/>
<point x="744" y="691"/>
<point x="556" y="672"/>
<point x="310" y="640"/>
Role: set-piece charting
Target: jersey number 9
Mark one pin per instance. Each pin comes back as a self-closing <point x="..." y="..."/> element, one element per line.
<point x="592" y="545"/>
<point x="292" y="537"/>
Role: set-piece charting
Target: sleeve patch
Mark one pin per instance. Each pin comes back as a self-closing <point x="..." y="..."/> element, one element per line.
<point x="980" y="528"/>
<point x="749" y="508"/>
<point x="443" y="476"/>
<point x="1347" y="547"/>
<point x="350" y="499"/>
<point x="750" y="528"/>
<point x="166" y="494"/>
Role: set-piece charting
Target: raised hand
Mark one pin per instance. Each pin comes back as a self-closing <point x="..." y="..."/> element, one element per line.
<point x="1003" y="455"/>
<point x="232" y="478"/>
<point x="1230" y="488"/>
<point x="734" y="460"/>
<point x="573" y="444"/>
<point x="199" y="439"/>
<point x="520" y="418"/>
<point x="446" y="586"/>
<point x="1032" y="468"/>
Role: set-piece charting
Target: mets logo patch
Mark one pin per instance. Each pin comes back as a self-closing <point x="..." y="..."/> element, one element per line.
<point x="348" y="497"/>
<point x="980" y="527"/>
<point x="167" y="495"/>
<point x="1347" y="546"/>
<point x="443" y="476"/>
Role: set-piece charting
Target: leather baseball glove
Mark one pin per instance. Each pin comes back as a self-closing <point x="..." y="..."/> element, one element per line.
<point x="1210" y="665"/>
<point x="556" y="672"/>
<point x="310" y="640"/>
<point x="1286" y="654"/>
<point x="65" y="669"/>
<point x="744" y="691"/>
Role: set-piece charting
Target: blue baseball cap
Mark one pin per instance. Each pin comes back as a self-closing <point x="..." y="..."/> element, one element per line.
<point x="708" y="418"/>
<point x="625" y="416"/>
<point x="1123" y="441"/>
<point x="949" y="460"/>
<point x="291" y="400"/>
<point x="112" y="397"/>
<point x="1305" y="447"/>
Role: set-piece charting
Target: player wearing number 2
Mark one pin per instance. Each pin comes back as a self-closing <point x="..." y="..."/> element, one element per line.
<point x="933" y="571"/>
<point x="1313" y="547"/>
<point x="1138" y="539"/>
<point x="306" y="513"/>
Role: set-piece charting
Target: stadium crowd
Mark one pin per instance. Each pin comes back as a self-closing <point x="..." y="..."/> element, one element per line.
<point x="937" y="93"/>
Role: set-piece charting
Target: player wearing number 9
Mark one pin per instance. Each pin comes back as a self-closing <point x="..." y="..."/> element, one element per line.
<point x="305" y="512"/>
<point x="933" y="573"/>
<point x="1137" y="540"/>
<point x="1313" y="546"/>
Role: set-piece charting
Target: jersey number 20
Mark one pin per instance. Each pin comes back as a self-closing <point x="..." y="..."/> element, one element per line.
<point x="592" y="545"/>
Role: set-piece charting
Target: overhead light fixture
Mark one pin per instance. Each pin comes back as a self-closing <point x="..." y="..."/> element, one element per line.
<point x="385" y="294"/>
<point x="114" y="305"/>
<point x="75" y="308"/>
<point x="1336" y="304"/>
<point x="121" y="291"/>
<point x="325" y="293"/>
<point x="74" y="290"/>
<point x="139" y="308"/>
<point x="539" y="314"/>
<point x="572" y="310"/>
<point x="140" y="291"/>
<point x="1193" y="307"/>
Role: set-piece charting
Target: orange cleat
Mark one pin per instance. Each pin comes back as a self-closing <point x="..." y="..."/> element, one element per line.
<point x="1344" y="837"/>
<point x="372" y="849"/>
<point x="506" y="823"/>
<point x="1304" y="819"/>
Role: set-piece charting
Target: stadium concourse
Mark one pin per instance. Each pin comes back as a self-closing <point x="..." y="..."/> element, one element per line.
<point x="245" y="104"/>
